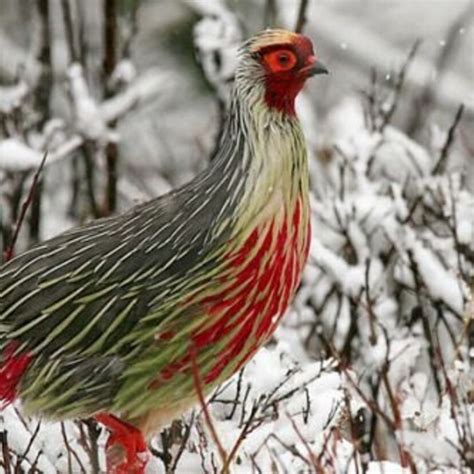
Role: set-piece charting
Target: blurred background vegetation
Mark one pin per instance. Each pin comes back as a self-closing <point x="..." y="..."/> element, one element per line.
<point x="126" y="99"/>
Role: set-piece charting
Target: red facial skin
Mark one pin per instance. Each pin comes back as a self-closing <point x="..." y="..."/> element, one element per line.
<point x="287" y="67"/>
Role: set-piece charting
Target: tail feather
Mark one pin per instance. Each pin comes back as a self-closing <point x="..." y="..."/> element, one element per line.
<point x="13" y="366"/>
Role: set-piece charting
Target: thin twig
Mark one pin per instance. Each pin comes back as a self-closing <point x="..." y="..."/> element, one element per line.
<point x="5" y="451"/>
<point x="398" y="85"/>
<point x="438" y="168"/>
<point x="314" y="460"/>
<point x="370" y="309"/>
<point x="182" y="446"/>
<point x="9" y="252"/>
<point x="69" y="29"/>
<point x="372" y="404"/>
<point x="68" y="448"/>
<point x="205" y="409"/>
<point x="270" y="15"/>
<point x="30" y="443"/>
<point x="89" y="151"/>
<point x="423" y="104"/>
<point x="243" y="434"/>
<point x="109" y="64"/>
<point x="133" y="21"/>
<point x="440" y="165"/>
<point x="42" y="96"/>
<point x="301" y="21"/>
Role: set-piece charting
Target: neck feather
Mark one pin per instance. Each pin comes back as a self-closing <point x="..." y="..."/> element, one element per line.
<point x="271" y="161"/>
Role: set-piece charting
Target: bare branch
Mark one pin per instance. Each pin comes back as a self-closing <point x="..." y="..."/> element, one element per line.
<point x="301" y="20"/>
<point x="440" y="165"/>
<point x="9" y="252"/>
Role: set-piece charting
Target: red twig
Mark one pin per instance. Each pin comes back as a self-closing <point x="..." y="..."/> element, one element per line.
<point x="9" y="252"/>
<point x="205" y="409"/>
<point x="314" y="461"/>
<point x="243" y="434"/>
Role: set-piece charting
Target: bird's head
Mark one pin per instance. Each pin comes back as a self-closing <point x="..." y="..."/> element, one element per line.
<point x="278" y="61"/>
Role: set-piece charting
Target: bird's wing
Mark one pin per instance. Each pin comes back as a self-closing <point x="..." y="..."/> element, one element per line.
<point x="88" y="287"/>
<point x="78" y="305"/>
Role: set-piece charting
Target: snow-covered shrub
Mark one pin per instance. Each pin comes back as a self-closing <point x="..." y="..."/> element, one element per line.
<point x="387" y="288"/>
<point x="372" y="369"/>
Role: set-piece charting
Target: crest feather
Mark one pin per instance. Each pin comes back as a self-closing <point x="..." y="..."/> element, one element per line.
<point x="271" y="37"/>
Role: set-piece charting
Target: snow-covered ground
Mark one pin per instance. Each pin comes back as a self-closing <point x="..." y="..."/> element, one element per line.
<point x="372" y="368"/>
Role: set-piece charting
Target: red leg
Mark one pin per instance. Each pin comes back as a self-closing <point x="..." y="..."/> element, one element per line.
<point x="126" y="449"/>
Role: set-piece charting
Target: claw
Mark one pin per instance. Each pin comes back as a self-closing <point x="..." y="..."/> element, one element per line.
<point x="126" y="449"/>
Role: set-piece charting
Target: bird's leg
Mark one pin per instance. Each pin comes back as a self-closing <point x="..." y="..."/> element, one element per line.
<point x="126" y="449"/>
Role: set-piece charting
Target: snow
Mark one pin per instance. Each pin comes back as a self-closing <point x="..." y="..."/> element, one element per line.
<point x="266" y="382"/>
<point x="92" y="119"/>
<point x="384" y="174"/>
<point x="11" y="97"/>
<point x="151" y="84"/>
<point x="124" y="73"/>
<point x="15" y="155"/>
<point x="217" y="38"/>
<point x="465" y="231"/>
<point x="385" y="301"/>
<point x="386" y="467"/>
<point x="89" y="121"/>
<point x="47" y="448"/>
<point x="444" y="286"/>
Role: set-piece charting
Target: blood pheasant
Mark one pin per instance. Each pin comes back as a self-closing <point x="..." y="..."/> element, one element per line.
<point x="109" y="319"/>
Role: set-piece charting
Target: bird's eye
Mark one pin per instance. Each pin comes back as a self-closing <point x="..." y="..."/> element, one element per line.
<point x="280" y="60"/>
<point x="284" y="59"/>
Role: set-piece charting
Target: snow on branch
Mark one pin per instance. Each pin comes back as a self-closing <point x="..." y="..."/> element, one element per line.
<point x="11" y="97"/>
<point x="15" y="155"/>
<point x="387" y="285"/>
<point x="217" y="38"/>
<point x="92" y="120"/>
<point x="88" y="120"/>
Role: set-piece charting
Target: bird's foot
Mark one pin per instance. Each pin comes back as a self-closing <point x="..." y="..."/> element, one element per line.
<point x="126" y="449"/>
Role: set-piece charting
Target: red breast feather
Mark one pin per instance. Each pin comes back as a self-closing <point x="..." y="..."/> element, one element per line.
<point x="266" y="271"/>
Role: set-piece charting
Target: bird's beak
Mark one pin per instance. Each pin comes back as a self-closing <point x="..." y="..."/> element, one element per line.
<point x="313" y="67"/>
<point x="317" y="68"/>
